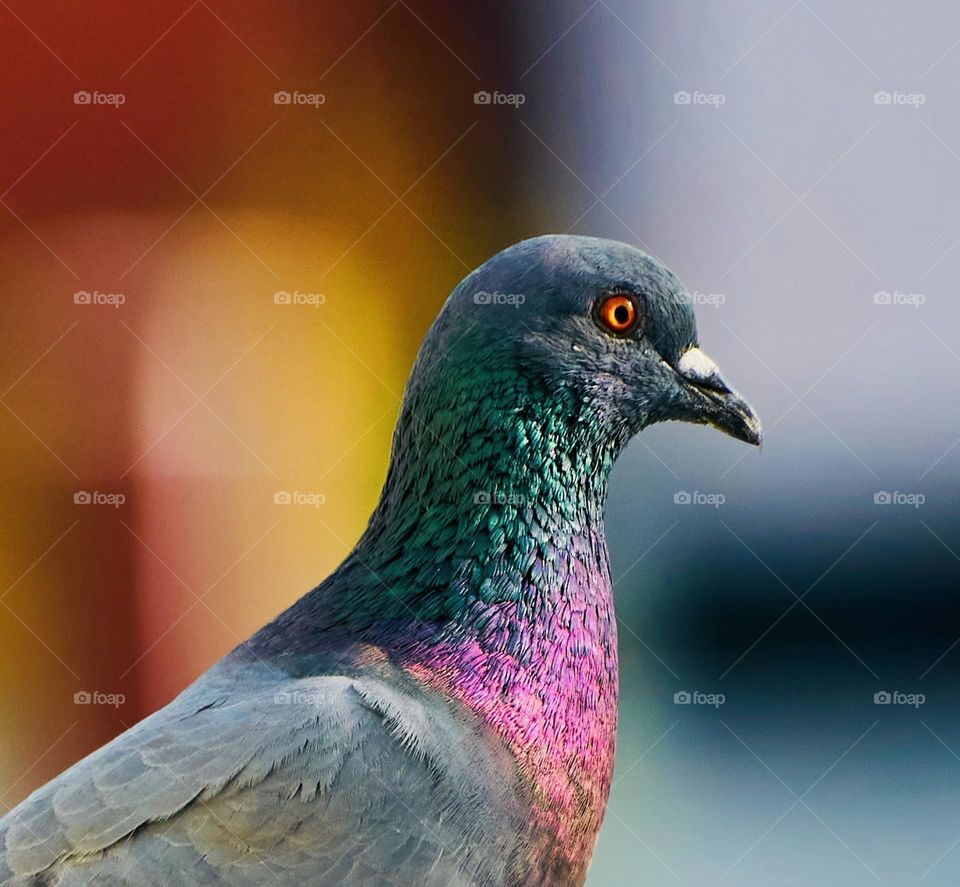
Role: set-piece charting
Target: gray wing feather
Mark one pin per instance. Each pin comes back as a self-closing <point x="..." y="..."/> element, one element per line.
<point x="321" y="780"/>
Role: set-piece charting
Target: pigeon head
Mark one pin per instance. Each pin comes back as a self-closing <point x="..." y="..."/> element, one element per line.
<point x="594" y="324"/>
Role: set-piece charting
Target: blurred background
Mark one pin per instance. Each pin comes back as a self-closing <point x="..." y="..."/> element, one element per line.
<point x="224" y="229"/>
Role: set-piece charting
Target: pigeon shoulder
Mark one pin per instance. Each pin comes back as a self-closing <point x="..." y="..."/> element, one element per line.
<point x="252" y="776"/>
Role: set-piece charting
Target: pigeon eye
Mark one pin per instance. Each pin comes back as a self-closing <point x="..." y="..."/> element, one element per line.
<point x="617" y="313"/>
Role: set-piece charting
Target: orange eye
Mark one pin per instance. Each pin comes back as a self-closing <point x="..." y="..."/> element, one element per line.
<point x="618" y="313"/>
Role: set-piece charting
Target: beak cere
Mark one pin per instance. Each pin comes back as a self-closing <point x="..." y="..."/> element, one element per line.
<point x="714" y="402"/>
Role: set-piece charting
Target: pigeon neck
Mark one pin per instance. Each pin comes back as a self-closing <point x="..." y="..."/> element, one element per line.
<point x="489" y="556"/>
<point x="483" y="455"/>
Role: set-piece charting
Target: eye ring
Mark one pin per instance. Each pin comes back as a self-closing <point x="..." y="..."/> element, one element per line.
<point x="618" y="313"/>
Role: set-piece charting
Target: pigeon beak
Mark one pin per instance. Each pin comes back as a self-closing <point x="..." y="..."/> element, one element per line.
<point x="716" y="403"/>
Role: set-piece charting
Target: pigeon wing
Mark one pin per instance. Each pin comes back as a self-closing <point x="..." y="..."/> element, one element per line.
<point x="321" y="780"/>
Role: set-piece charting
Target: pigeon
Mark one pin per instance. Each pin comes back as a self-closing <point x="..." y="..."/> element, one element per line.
<point x="442" y="709"/>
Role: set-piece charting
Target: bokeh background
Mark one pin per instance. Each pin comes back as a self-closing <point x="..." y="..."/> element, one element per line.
<point x="796" y="163"/>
